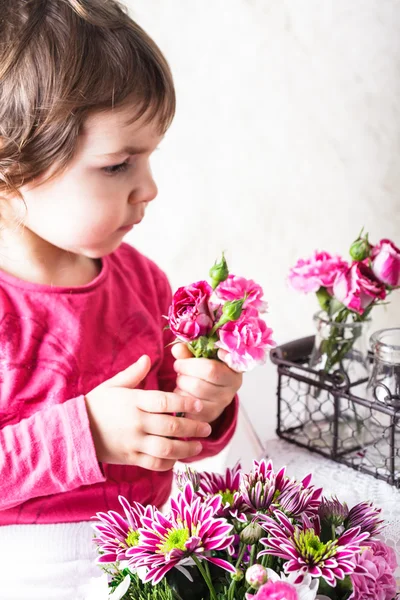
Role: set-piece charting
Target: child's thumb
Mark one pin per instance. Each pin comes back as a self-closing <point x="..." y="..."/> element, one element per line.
<point x="133" y="375"/>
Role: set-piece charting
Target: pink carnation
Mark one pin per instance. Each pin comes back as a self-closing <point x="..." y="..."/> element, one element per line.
<point x="235" y="288"/>
<point x="277" y="590"/>
<point x="357" y="287"/>
<point x="379" y="582"/>
<point x="190" y="314"/>
<point x="246" y="341"/>
<point x="318" y="271"/>
<point x="386" y="552"/>
<point x="386" y="263"/>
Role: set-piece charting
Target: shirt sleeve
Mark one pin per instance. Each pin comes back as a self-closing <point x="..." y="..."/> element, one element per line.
<point x="225" y="426"/>
<point x="48" y="453"/>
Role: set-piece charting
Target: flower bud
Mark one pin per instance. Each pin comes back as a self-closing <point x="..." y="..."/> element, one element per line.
<point x="251" y="534"/>
<point x="186" y="476"/>
<point x="232" y="310"/>
<point x="238" y="576"/>
<point x="360" y="249"/>
<point x="219" y="272"/>
<point x="256" y="576"/>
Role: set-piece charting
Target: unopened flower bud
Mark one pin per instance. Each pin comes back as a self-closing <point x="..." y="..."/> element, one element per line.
<point x="360" y="249"/>
<point x="219" y="272"/>
<point x="232" y="310"/>
<point x="256" y="576"/>
<point x="238" y="576"/>
<point x="251" y="534"/>
<point x="187" y="476"/>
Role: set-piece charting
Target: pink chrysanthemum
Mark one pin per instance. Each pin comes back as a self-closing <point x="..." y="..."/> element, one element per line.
<point x="115" y="534"/>
<point x="306" y="553"/>
<point x="189" y="530"/>
<point x="366" y="516"/>
<point x="228" y="487"/>
<point x="262" y="485"/>
<point x="299" y="498"/>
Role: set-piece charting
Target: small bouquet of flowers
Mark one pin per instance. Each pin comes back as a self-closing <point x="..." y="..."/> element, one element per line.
<point x="246" y="536"/>
<point x="226" y="314"/>
<point x="346" y="292"/>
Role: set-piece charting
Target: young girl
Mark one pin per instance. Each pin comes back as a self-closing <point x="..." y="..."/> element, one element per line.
<point x="88" y="385"/>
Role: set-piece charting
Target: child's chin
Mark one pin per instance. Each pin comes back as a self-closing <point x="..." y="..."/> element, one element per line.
<point x="97" y="253"/>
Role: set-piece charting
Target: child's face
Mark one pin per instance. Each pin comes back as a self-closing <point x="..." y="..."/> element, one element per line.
<point x="104" y="191"/>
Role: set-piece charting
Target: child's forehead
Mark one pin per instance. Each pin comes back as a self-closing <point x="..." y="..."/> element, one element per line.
<point x="109" y="131"/>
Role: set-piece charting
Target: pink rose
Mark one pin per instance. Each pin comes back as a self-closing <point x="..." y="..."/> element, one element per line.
<point x="318" y="271"/>
<point x="246" y="341"/>
<point x="277" y="590"/>
<point x="386" y="263"/>
<point x="190" y="315"/>
<point x="256" y="575"/>
<point x="357" y="287"/>
<point x="378" y="583"/>
<point x="235" y="288"/>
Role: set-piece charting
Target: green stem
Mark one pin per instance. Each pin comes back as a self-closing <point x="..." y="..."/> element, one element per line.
<point x="253" y="554"/>
<point x="205" y="577"/>
<point x="241" y="554"/>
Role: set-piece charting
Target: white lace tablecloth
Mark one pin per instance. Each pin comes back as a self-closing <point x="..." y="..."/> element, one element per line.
<point x="347" y="484"/>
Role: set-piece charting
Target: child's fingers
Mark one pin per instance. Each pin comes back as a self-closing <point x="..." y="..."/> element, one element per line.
<point x="175" y="427"/>
<point x="153" y="463"/>
<point x="209" y="370"/>
<point x="167" y="402"/>
<point x="180" y="350"/>
<point x="170" y="449"/>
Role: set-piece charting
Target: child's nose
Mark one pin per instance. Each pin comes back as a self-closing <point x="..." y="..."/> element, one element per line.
<point x="145" y="192"/>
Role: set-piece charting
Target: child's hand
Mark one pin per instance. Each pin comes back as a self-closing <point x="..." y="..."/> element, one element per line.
<point x="210" y="380"/>
<point x="129" y="426"/>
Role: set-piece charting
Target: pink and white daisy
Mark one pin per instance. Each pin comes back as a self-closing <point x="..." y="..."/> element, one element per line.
<point x="228" y="487"/>
<point x="190" y="530"/>
<point x="115" y="534"/>
<point x="306" y="553"/>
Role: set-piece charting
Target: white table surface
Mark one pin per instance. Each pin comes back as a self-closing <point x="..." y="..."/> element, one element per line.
<point x="347" y="484"/>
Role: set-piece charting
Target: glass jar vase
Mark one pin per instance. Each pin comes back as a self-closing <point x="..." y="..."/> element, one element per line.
<point x="384" y="383"/>
<point x="340" y="348"/>
<point x="339" y="362"/>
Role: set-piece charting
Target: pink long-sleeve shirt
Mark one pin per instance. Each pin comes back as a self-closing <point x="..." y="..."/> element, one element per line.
<point x="57" y="344"/>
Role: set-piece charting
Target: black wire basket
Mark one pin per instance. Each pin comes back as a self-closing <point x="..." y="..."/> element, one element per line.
<point x="332" y="416"/>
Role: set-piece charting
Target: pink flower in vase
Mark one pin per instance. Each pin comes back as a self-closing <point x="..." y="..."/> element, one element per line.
<point x="386" y="263"/>
<point x="318" y="271"/>
<point x="190" y="313"/>
<point x="246" y="341"/>
<point x="357" y="287"/>
<point x="235" y="288"/>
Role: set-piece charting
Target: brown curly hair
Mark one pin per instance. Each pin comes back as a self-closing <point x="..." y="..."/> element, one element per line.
<point x="61" y="60"/>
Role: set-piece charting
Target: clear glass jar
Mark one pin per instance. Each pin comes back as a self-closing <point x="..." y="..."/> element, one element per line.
<point x="340" y="359"/>
<point x="340" y="348"/>
<point x="384" y="383"/>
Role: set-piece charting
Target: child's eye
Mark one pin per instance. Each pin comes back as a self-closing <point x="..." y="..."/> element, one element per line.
<point x="113" y="169"/>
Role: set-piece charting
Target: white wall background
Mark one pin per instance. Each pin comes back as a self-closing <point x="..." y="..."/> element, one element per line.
<point x="286" y="139"/>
